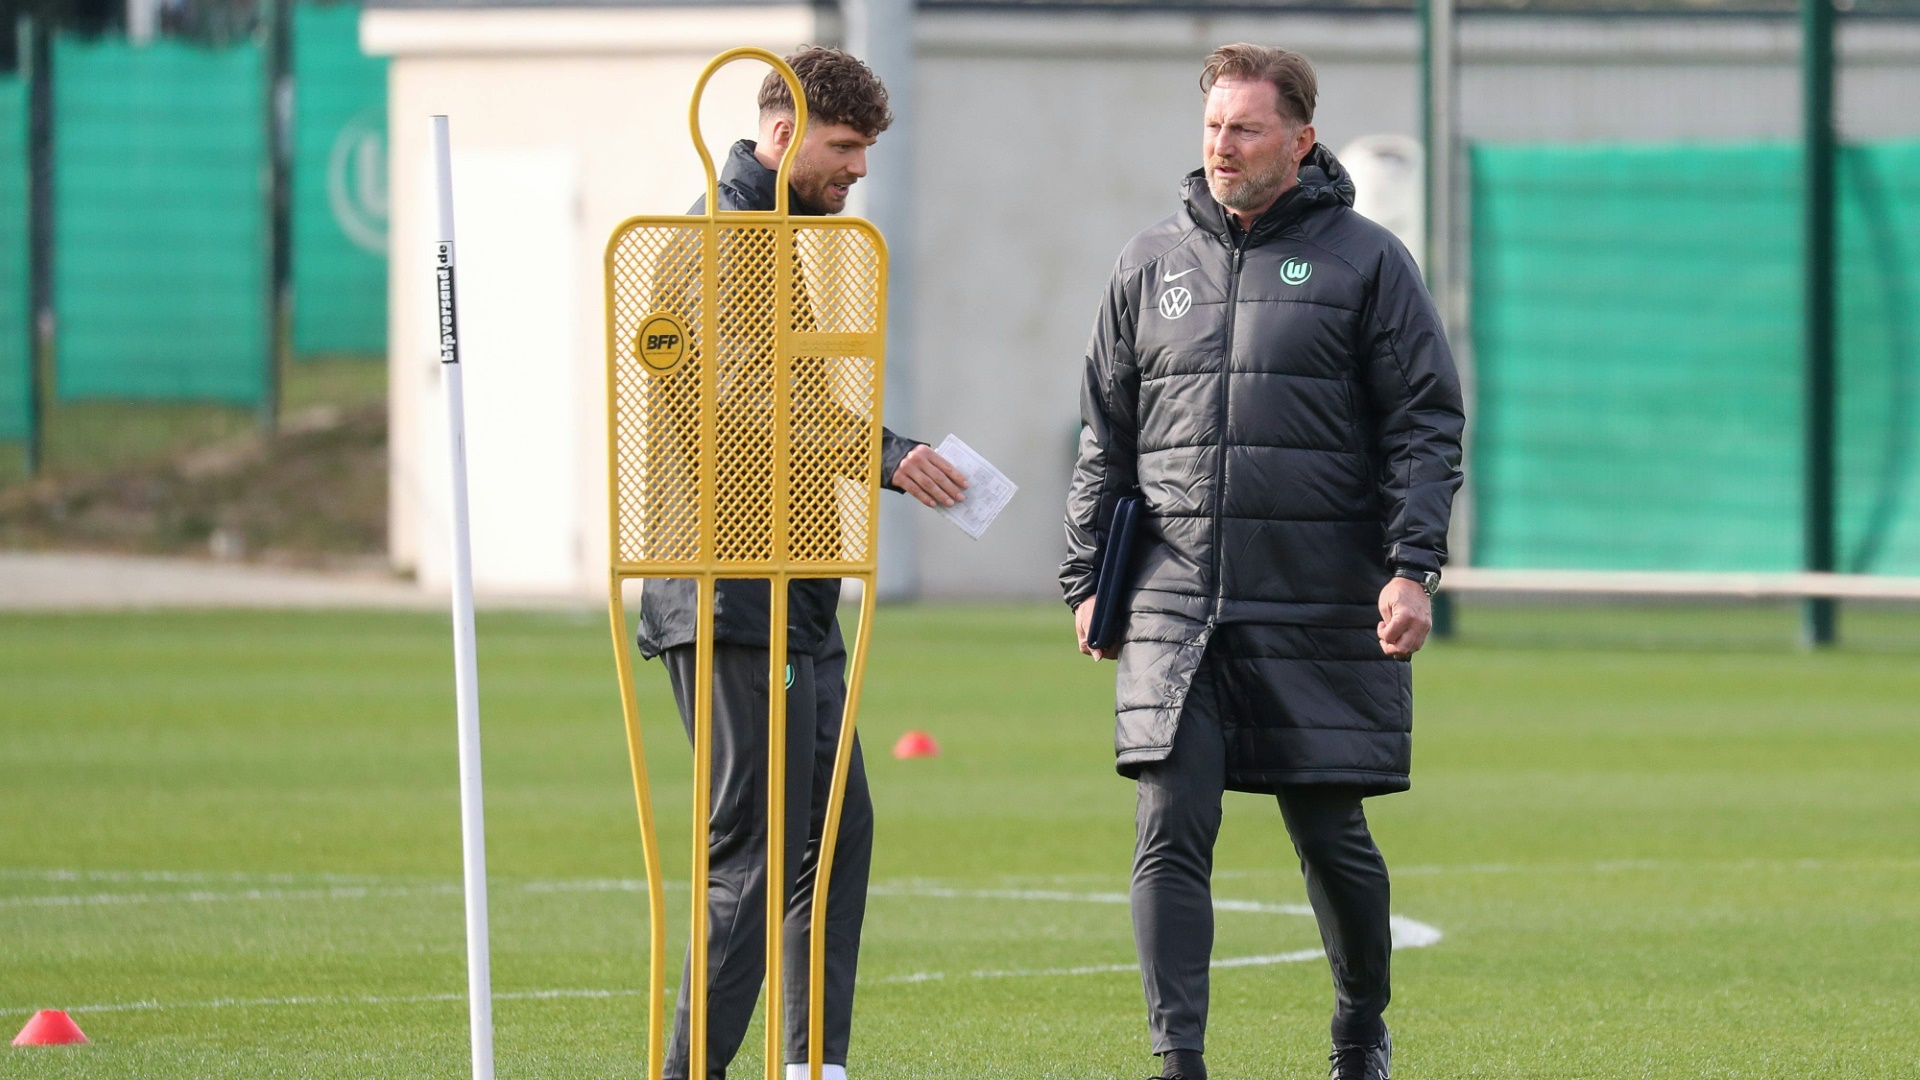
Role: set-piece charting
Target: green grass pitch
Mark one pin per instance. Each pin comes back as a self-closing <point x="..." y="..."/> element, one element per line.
<point x="1669" y="847"/>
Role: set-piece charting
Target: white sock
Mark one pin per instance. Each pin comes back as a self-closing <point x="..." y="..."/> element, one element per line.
<point x="827" y="1072"/>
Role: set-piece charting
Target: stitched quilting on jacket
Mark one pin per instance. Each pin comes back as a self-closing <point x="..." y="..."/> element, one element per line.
<point x="1284" y="399"/>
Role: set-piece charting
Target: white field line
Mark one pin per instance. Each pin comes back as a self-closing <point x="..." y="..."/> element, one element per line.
<point x="355" y="999"/>
<point x="203" y="896"/>
<point x="333" y="892"/>
<point x="1107" y="969"/>
<point x="1624" y="866"/>
<point x="186" y="877"/>
<point x="940" y="893"/>
<point x="628" y="885"/>
<point x="1615" y="866"/>
<point x="1407" y="933"/>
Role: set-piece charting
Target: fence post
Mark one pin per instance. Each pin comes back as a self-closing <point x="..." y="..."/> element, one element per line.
<point x="36" y="42"/>
<point x="1438" y="54"/>
<point x="1817" y="272"/>
<point x="278" y="15"/>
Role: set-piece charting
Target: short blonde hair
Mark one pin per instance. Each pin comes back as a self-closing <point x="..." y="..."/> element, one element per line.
<point x="1289" y="73"/>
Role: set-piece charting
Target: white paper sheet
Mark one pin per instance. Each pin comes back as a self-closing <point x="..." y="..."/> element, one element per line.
<point x="988" y="492"/>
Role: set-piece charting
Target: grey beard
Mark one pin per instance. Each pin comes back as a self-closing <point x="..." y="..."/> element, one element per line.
<point x="1252" y="191"/>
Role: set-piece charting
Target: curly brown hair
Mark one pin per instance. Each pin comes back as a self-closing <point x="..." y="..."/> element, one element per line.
<point x="840" y="90"/>
<point x="1290" y="74"/>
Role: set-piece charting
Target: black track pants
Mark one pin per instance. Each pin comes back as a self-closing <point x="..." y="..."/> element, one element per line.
<point x="737" y="868"/>
<point x="1177" y="820"/>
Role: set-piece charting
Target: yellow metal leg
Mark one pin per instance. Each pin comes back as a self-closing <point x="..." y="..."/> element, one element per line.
<point x="649" y="840"/>
<point x="776" y="826"/>
<point x="702" y="830"/>
<point x="830" y="838"/>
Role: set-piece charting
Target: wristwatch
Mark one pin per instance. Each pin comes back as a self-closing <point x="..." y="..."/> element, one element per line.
<point x="1428" y="579"/>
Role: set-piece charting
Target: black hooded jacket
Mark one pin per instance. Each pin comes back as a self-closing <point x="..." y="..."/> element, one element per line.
<point x="668" y="606"/>
<point x="1285" y="401"/>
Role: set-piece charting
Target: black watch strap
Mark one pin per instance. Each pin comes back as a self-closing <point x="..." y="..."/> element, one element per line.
<point x="1428" y="579"/>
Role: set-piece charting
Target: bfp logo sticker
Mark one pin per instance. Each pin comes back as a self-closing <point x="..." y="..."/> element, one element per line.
<point x="661" y="342"/>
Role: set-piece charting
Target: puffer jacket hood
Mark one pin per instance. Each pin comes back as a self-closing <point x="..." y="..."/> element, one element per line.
<point x="1283" y="399"/>
<point x="1322" y="180"/>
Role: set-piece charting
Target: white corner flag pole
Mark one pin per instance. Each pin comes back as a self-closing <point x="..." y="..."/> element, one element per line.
<point x="473" y="828"/>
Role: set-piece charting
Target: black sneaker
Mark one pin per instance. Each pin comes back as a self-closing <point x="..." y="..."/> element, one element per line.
<point x="1363" y="1062"/>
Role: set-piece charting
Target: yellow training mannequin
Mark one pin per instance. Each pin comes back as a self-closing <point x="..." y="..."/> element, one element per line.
<point x="745" y="356"/>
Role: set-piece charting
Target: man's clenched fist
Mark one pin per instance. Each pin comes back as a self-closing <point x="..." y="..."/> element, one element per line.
<point x="1406" y="617"/>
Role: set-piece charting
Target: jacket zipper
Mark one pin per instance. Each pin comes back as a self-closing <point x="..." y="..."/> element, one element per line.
<point x="1226" y="396"/>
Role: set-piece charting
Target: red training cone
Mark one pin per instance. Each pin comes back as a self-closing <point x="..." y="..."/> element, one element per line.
<point x="50" y="1027"/>
<point x="916" y="744"/>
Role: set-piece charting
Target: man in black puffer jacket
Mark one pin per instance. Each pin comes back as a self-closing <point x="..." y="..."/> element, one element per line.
<point x="847" y="110"/>
<point x="1268" y="372"/>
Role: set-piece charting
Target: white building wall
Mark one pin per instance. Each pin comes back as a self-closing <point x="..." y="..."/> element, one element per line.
<point x="1045" y="140"/>
<point x="596" y="101"/>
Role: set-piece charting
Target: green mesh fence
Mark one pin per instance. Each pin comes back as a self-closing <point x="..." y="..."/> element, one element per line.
<point x="1879" y="422"/>
<point x="16" y="415"/>
<point x="160" y="221"/>
<point x="1637" y="324"/>
<point x="339" y="186"/>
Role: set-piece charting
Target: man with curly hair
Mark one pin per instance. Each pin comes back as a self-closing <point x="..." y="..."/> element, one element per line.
<point x="846" y="113"/>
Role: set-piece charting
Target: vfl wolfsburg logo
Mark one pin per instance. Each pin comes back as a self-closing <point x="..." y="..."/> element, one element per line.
<point x="1296" y="271"/>
<point x="357" y="180"/>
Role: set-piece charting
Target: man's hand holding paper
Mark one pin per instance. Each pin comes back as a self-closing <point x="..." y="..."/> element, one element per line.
<point x="932" y="479"/>
<point x="988" y="489"/>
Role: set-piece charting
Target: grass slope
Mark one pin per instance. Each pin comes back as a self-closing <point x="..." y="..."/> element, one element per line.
<point x="198" y="479"/>
<point x="235" y="837"/>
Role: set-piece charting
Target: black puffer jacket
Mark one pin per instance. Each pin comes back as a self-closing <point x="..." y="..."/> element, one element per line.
<point x="740" y="609"/>
<point x="1285" y="401"/>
